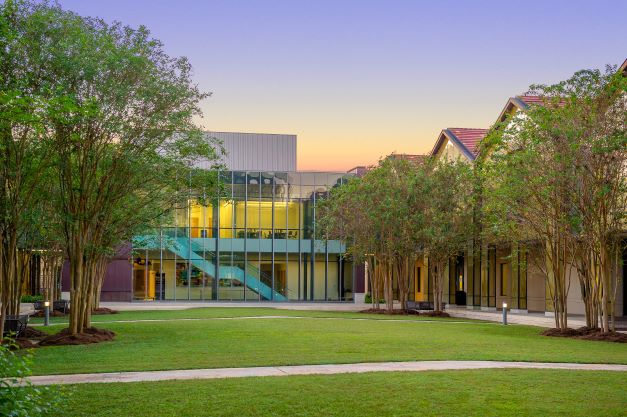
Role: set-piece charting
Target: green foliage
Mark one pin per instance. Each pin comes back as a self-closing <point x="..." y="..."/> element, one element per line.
<point x="105" y="123"/>
<point x="555" y="177"/>
<point x="31" y="298"/>
<point x="368" y="299"/>
<point x="400" y="211"/>
<point x="447" y="221"/>
<point x="18" y="397"/>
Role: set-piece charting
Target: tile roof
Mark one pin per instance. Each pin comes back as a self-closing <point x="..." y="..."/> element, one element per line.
<point x="466" y="139"/>
<point x="469" y="137"/>
<point x="529" y="100"/>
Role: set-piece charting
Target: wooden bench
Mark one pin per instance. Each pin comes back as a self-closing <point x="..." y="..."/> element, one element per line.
<point x="15" y="325"/>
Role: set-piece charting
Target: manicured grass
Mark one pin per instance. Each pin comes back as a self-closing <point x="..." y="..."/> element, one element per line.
<point x="294" y="341"/>
<point x="510" y="392"/>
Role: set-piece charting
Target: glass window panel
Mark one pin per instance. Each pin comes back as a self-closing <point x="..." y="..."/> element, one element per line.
<point x="347" y="277"/>
<point x="335" y="179"/>
<point x="168" y="268"/>
<point x="225" y="283"/>
<point x="280" y="178"/>
<point x="182" y="279"/>
<point x="333" y="279"/>
<point x="293" y="285"/>
<point x="280" y="219"/>
<point x="226" y="219"/>
<point x="293" y="219"/>
<point x="319" y="277"/>
<point x="252" y="178"/>
<point x="321" y="178"/>
<point x="280" y="274"/>
<point x="307" y="178"/>
<point x="239" y="177"/>
<point x="294" y="178"/>
<point x="253" y="277"/>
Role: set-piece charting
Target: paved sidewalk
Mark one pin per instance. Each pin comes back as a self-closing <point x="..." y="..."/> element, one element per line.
<point x="185" y="305"/>
<point x="309" y="370"/>
<point x="530" y="319"/>
<point x="386" y="320"/>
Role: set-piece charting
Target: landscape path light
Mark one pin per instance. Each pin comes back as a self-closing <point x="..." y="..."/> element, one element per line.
<point x="47" y="313"/>
<point x="505" y="314"/>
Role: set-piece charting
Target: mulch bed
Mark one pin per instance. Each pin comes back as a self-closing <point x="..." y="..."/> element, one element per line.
<point x="435" y="314"/>
<point x="392" y="312"/>
<point x="587" y="333"/>
<point x="89" y="336"/>
<point x="104" y="310"/>
<point x="53" y="313"/>
<point x="28" y="339"/>
<point x="32" y="333"/>
<point x="406" y="312"/>
<point x="24" y="343"/>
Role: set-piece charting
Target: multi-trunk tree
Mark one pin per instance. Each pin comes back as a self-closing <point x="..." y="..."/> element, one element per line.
<point x="554" y="177"/>
<point x="126" y="144"/>
<point x="447" y="222"/>
<point x="400" y="212"/>
<point x="97" y="121"/>
<point x="25" y="144"/>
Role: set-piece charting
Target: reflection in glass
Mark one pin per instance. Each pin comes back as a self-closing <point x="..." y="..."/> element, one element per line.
<point x="255" y="242"/>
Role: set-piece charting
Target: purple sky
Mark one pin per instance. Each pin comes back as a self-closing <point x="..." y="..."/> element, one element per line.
<point x="356" y="80"/>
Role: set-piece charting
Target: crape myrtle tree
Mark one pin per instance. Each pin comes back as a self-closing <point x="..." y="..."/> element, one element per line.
<point x="526" y="190"/>
<point x="372" y="215"/>
<point x="392" y="204"/>
<point x="400" y="211"/>
<point x="25" y="142"/>
<point x="125" y="144"/>
<point x="594" y="114"/>
<point x="346" y="214"/>
<point x="555" y="178"/>
<point x="446" y="226"/>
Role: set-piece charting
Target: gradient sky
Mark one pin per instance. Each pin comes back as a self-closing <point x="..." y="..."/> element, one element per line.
<point x="357" y="80"/>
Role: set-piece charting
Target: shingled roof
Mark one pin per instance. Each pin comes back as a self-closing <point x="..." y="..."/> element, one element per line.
<point x="466" y="139"/>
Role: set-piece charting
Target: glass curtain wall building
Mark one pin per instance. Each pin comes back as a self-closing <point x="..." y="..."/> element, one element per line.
<point x="258" y="243"/>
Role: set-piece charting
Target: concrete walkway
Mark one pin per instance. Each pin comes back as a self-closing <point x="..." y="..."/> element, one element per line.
<point x="185" y="305"/>
<point x="529" y="319"/>
<point x="309" y="370"/>
<point x="386" y="320"/>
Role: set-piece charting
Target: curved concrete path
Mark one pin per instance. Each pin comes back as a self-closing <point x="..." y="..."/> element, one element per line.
<point x="309" y="370"/>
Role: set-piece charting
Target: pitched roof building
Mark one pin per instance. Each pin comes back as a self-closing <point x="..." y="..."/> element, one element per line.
<point x="457" y="141"/>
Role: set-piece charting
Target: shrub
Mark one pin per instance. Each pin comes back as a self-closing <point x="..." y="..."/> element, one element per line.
<point x="18" y="397"/>
<point x="368" y="299"/>
<point x="31" y="298"/>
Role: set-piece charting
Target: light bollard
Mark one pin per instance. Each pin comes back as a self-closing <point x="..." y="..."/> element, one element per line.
<point x="505" y="314"/>
<point x="46" y="313"/>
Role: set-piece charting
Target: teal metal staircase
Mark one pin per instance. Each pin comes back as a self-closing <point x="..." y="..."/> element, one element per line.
<point x="181" y="247"/>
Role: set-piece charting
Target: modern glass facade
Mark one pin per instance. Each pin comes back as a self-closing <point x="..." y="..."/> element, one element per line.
<point x="258" y="243"/>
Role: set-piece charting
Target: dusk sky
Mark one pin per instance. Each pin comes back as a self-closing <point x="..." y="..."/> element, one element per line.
<point x="357" y="80"/>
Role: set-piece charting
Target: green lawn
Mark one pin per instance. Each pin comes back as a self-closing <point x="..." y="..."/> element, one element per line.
<point x="263" y="342"/>
<point x="509" y="392"/>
